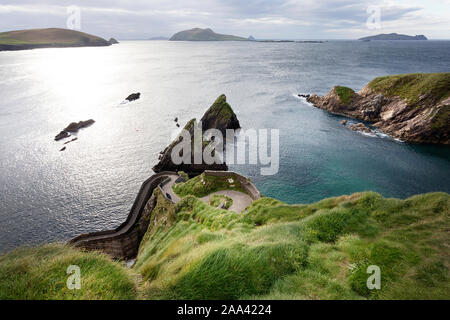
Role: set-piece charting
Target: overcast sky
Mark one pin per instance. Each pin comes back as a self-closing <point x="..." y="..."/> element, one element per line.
<point x="280" y="19"/>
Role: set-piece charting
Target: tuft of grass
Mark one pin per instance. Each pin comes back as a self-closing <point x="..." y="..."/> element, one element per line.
<point x="345" y="94"/>
<point x="414" y="88"/>
<point x="40" y="274"/>
<point x="217" y="199"/>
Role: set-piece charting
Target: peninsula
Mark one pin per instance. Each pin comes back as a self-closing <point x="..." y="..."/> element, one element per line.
<point x="393" y="36"/>
<point x="411" y="107"/>
<point x="198" y="34"/>
<point x="49" y="38"/>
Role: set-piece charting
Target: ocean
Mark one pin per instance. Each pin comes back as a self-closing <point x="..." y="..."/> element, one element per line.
<point x="47" y="195"/>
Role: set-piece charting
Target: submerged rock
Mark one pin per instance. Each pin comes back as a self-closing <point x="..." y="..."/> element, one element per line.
<point x="74" y="139"/>
<point x="133" y="96"/>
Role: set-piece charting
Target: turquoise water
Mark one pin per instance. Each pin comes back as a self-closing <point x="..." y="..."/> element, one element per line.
<point x="47" y="195"/>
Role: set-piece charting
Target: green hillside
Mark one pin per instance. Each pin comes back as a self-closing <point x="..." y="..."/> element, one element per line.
<point x="45" y="38"/>
<point x="271" y="251"/>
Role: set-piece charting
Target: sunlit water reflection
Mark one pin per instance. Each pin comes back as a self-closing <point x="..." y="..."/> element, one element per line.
<point x="47" y="195"/>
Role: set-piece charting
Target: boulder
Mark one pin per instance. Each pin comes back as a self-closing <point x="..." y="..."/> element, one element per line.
<point x="360" y="127"/>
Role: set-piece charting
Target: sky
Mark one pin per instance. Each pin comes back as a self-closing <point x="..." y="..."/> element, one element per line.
<point x="263" y="19"/>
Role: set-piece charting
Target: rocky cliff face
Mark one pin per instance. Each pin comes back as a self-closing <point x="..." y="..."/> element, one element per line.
<point x="219" y="116"/>
<point x="413" y="108"/>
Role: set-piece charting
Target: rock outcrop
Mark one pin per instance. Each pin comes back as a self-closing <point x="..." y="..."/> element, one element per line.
<point x="219" y="116"/>
<point x="360" y="127"/>
<point x="414" y="108"/>
<point x="73" y="127"/>
<point x="133" y="96"/>
<point x="113" y="41"/>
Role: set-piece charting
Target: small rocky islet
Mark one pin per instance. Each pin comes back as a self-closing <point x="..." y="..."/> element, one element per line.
<point x="72" y="128"/>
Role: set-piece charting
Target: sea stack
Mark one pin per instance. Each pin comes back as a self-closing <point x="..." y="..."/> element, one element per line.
<point x="219" y="116"/>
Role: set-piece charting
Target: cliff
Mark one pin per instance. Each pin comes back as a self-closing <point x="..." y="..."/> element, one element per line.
<point x="412" y="107"/>
<point x="48" y="38"/>
<point x="198" y="34"/>
<point x="219" y="116"/>
<point x="394" y="36"/>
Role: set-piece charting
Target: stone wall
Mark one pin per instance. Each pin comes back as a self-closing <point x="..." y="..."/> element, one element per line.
<point x="123" y="241"/>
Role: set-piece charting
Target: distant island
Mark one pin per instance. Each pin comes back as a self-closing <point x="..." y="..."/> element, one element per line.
<point x="198" y="34"/>
<point x="48" y="38"/>
<point x="394" y="36"/>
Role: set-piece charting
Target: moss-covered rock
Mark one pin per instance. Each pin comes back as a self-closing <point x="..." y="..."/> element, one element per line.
<point x="219" y="116"/>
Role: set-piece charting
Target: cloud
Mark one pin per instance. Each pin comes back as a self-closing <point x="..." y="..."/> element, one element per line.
<point x="261" y="18"/>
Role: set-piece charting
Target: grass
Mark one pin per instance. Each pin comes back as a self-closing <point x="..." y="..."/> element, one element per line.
<point x="345" y="94"/>
<point x="203" y="185"/>
<point x="317" y="251"/>
<point x="220" y="108"/>
<point x="50" y="36"/>
<point x="272" y="251"/>
<point x="217" y="199"/>
<point x="442" y="118"/>
<point x="415" y="88"/>
<point x="40" y="274"/>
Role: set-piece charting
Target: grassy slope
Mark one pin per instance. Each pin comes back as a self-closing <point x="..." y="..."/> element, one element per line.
<point x="345" y="94"/>
<point x="318" y="251"/>
<point x="48" y="36"/>
<point x="411" y="86"/>
<point x="40" y="273"/>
